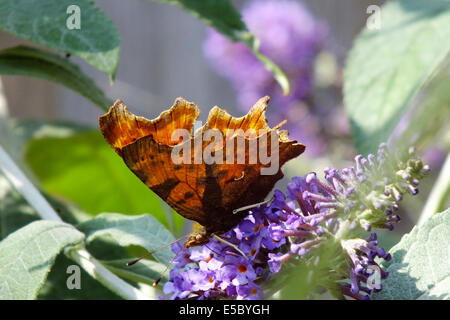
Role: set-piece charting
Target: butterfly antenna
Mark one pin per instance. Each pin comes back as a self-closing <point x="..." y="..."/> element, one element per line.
<point x="251" y="206"/>
<point x="167" y="268"/>
<point x="152" y="252"/>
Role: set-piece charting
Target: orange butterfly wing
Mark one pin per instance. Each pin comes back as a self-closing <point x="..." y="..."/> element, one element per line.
<point x="145" y="146"/>
<point x="205" y="193"/>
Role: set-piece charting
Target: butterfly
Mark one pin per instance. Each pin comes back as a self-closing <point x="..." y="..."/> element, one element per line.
<point x="210" y="194"/>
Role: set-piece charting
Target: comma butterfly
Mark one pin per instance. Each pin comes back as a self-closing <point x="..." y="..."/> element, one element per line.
<point x="208" y="193"/>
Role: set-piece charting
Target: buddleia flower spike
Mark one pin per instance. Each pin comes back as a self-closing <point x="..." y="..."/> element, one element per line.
<point x="335" y="212"/>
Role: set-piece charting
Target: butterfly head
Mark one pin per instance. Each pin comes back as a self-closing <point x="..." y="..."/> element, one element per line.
<point x="198" y="237"/>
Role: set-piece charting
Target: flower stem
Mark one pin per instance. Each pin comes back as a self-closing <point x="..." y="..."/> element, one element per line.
<point x="103" y="275"/>
<point x="18" y="179"/>
<point x="438" y="194"/>
<point x="278" y="74"/>
<point x="22" y="184"/>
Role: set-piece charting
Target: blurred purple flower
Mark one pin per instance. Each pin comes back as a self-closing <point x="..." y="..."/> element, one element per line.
<point x="291" y="37"/>
<point x="435" y="156"/>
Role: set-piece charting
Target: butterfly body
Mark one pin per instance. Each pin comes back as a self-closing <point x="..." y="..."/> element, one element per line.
<point x="207" y="193"/>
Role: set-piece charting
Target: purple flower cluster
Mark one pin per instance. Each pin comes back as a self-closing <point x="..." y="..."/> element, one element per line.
<point x="291" y="37"/>
<point x="268" y="236"/>
<point x="216" y="270"/>
<point x="292" y="226"/>
<point x="368" y="192"/>
<point x="362" y="254"/>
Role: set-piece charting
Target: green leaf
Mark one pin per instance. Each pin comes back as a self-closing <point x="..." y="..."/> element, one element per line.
<point x="175" y="221"/>
<point x="429" y="117"/>
<point x="87" y="171"/>
<point x="27" y="255"/>
<point x="143" y="230"/>
<point x="387" y="68"/>
<point x="420" y="264"/>
<point x="46" y="23"/>
<point x="32" y="62"/>
<point x="145" y="271"/>
<point x="222" y="15"/>
<point x="16" y="212"/>
<point x="55" y="287"/>
<point x="307" y="278"/>
<point x="15" y="133"/>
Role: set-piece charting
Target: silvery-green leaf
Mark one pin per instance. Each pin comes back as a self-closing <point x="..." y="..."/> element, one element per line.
<point x="420" y="265"/>
<point x="27" y="255"/>
<point x="387" y="68"/>
<point x="143" y="230"/>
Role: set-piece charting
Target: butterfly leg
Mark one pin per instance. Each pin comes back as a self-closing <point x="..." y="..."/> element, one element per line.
<point x="235" y="247"/>
<point x="252" y="206"/>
